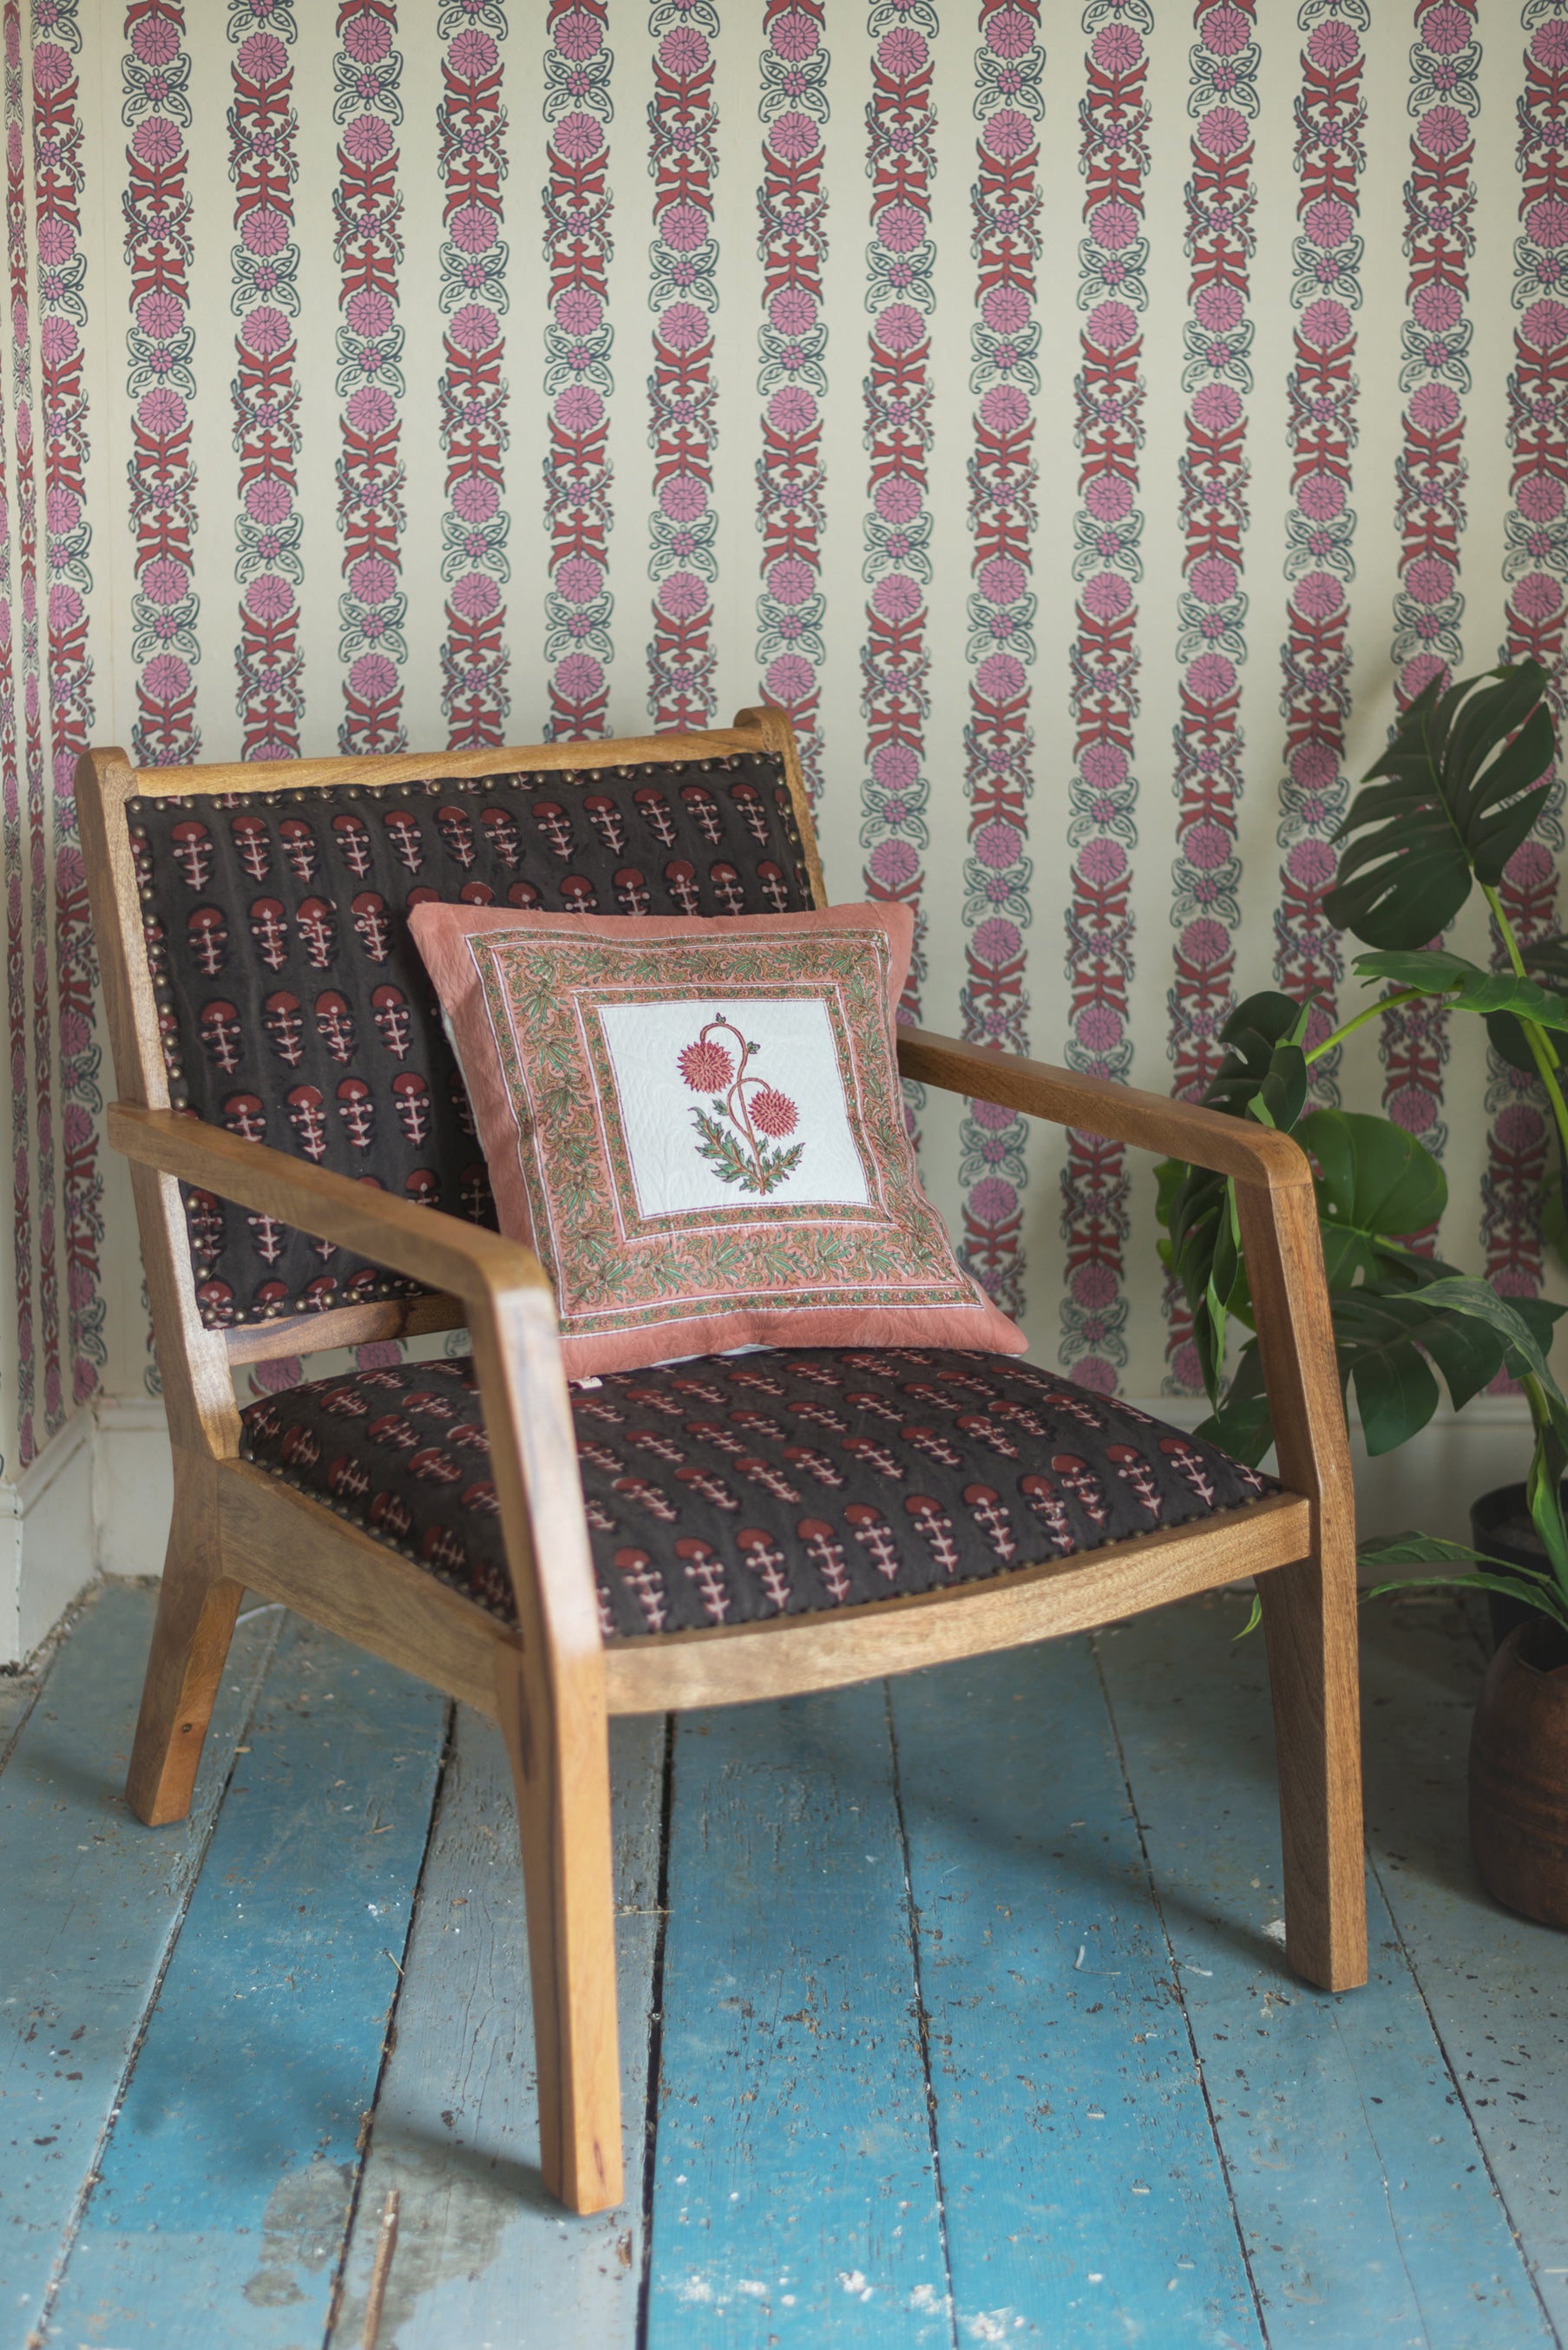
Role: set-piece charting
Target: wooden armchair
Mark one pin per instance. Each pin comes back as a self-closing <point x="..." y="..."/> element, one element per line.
<point x="233" y="1144"/>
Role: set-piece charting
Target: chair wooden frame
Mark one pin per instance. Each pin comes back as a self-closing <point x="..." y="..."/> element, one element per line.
<point x="552" y="1684"/>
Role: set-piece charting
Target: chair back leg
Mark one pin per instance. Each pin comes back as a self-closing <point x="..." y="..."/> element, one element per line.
<point x="559" y="1754"/>
<point x="197" y="1606"/>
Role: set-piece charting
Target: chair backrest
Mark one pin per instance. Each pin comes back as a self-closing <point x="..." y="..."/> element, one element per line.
<point x="292" y="1006"/>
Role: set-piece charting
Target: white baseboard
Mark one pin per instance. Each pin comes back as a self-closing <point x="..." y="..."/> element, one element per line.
<point x="48" y="1552"/>
<point x="1429" y="1482"/>
<point x="96" y="1500"/>
<point x="134" y="1485"/>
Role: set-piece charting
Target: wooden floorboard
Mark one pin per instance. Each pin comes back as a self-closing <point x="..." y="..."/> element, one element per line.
<point x="1084" y="2195"/>
<point x="485" y="2257"/>
<point x="794" y="2201"/>
<point x="1496" y="1985"/>
<point x="90" y="1904"/>
<point x="225" y="2191"/>
<point x="1362" y="2194"/>
<point x="892" y="2107"/>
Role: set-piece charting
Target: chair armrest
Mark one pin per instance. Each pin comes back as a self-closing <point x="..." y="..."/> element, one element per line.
<point x="470" y="1262"/>
<point x="514" y="1330"/>
<point x="1237" y="1147"/>
<point x="1279" y="1232"/>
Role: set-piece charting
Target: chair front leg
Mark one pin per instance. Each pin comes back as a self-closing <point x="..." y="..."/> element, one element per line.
<point x="1309" y="1610"/>
<point x="197" y="1607"/>
<point x="1309" y="1623"/>
<point x="559" y="1752"/>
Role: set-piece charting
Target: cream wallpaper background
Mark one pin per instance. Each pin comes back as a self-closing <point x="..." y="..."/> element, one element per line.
<point x="1091" y="422"/>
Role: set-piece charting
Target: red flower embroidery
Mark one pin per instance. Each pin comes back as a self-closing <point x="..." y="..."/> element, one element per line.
<point x="708" y="1069"/>
<point x="730" y="1135"/>
<point x="773" y="1113"/>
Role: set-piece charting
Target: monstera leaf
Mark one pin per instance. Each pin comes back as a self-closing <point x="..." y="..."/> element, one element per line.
<point x="1262" y="1075"/>
<point x="1376" y="1184"/>
<point x="1446" y="806"/>
<point x="1242" y="1423"/>
<point x="1546" y="961"/>
<point x="1466" y="985"/>
<point x="1549" y="958"/>
<point x="1388" y="1336"/>
<point x="1384" y="1336"/>
<point x="1265" y="1062"/>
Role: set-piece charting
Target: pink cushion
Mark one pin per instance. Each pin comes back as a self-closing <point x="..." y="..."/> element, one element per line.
<point x="698" y="1126"/>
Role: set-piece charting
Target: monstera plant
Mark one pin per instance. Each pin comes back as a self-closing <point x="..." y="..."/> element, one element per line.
<point x="1458" y="789"/>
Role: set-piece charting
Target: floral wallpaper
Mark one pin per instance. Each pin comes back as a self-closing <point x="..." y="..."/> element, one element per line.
<point x="1091" y="423"/>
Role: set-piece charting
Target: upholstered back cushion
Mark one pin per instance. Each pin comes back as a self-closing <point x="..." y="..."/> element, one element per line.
<point x="295" y="1009"/>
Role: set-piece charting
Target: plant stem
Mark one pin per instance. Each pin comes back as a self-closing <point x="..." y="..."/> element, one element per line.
<point x="736" y="1097"/>
<point x="1539" y="1051"/>
<point x="1505" y="930"/>
<point x="1384" y="1003"/>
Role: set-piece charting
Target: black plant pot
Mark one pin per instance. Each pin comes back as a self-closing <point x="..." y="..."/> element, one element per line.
<point x="1489" y="1513"/>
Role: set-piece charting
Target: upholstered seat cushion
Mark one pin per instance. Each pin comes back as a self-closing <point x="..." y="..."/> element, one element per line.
<point x="733" y="1487"/>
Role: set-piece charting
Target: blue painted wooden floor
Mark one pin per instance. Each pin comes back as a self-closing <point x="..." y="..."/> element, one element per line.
<point x="951" y="2015"/>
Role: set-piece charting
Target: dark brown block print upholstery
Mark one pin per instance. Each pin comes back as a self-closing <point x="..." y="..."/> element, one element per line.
<point x="295" y="1008"/>
<point x="739" y="1486"/>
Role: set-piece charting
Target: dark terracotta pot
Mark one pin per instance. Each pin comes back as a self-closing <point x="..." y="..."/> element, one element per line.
<point x="1519" y="1774"/>
<point x="1486" y="1514"/>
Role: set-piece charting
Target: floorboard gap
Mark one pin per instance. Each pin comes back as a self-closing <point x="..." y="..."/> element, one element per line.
<point x="1365" y="2210"/>
<point x="1176" y="1985"/>
<point x="1084" y="2195"/>
<point x="656" y="2029"/>
<point x="258" y="1669"/>
<point x="221" y="2194"/>
<point x="362" y="2145"/>
<point x="1463" y="2101"/>
<point x="922" y="2015"/>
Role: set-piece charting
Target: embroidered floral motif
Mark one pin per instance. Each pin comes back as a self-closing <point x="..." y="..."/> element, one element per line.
<point x="698" y="1521"/>
<point x="635" y="1236"/>
<point x="731" y="1130"/>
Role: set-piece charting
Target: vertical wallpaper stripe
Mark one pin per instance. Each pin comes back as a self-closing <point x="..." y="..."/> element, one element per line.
<point x="1430" y="473"/>
<point x="1516" y="1142"/>
<point x="1317" y="655"/>
<point x="1168" y="337"/>
<point x="895" y="656"/>
<point x="269" y="658"/>
<point x="1113" y="261"/>
<point x="38" y="801"/>
<point x="471" y="126"/>
<point x="1221" y="200"/>
<point x="161" y="383"/>
<point x="681" y="390"/>
<point x="577" y="210"/>
<point x="22" y="1403"/>
<point x="999" y="740"/>
<point x="59" y="179"/>
<point x="792" y="204"/>
<point x="367" y="243"/>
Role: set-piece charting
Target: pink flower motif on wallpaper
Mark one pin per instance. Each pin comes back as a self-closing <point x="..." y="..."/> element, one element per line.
<point x="746" y="1114"/>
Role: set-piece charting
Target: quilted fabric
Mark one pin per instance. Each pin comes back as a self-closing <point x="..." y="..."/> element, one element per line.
<point x="296" y="1009"/>
<point x="680" y="1205"/>
<point x="735" y="1487"/>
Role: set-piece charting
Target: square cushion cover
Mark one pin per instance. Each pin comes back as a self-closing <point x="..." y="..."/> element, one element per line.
<point x="698" y="1127"/>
